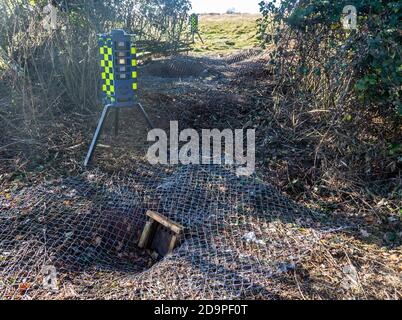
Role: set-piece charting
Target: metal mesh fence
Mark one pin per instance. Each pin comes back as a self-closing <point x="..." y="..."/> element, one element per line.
<point x="239" y="232"/>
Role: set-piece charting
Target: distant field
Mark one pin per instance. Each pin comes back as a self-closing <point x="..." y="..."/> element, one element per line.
<point x="226" y="33"/>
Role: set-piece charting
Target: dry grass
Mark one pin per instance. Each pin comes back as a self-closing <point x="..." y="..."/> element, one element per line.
<point x="226" y="33"/>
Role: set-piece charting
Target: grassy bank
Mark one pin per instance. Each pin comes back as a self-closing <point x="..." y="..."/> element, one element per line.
<point x="226" y="33"/>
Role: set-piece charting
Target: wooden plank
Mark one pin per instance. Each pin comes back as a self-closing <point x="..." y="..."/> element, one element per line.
<point x="175" y="227"/>
<point x="147" y="234"/>
<point x="172" y="244"/>
<point x="160" y="234"/>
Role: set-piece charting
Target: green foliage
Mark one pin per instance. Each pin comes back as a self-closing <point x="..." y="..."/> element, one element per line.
<point x="372" y="53"/>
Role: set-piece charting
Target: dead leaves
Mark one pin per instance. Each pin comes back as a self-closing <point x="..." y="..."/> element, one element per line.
<point x="23" y="288"/>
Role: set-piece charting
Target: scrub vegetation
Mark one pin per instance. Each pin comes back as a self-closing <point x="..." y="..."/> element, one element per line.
<point x="325" y="104"/>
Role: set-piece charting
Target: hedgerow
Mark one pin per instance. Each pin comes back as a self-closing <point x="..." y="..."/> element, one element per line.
<point x="312" y="30"/>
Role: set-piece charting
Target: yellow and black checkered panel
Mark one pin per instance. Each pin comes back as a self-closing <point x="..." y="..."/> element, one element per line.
<point x="107" y="72"/>
<point x="193" y="23"/>
<point x="134" y="67"/>
<point x="118" y="62"/>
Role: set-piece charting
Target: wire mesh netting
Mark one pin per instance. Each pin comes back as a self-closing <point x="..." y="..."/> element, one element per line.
<point x="239" y="232"/>
<point x="191" y="66"/>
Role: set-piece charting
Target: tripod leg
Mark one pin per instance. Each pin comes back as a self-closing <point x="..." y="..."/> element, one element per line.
<point x="116" y="121"/>
<point x="146" y="116"/>
<point x="199" y="36"/>
<point x="96" y="135"/>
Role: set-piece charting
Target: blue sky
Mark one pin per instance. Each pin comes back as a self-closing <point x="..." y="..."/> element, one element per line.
<point x="220" y="6"/>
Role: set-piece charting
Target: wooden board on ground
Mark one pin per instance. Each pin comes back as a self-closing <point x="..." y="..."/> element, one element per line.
<point x="160" y="234"/>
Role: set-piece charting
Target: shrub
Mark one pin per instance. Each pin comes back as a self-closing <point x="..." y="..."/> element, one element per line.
<point x="369" y="56"/>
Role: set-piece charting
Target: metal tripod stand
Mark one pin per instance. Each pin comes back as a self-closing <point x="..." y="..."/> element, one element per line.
<point x="101" y="122"/>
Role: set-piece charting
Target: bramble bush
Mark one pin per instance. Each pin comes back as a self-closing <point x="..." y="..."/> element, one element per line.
<point x="310" y="41"/>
